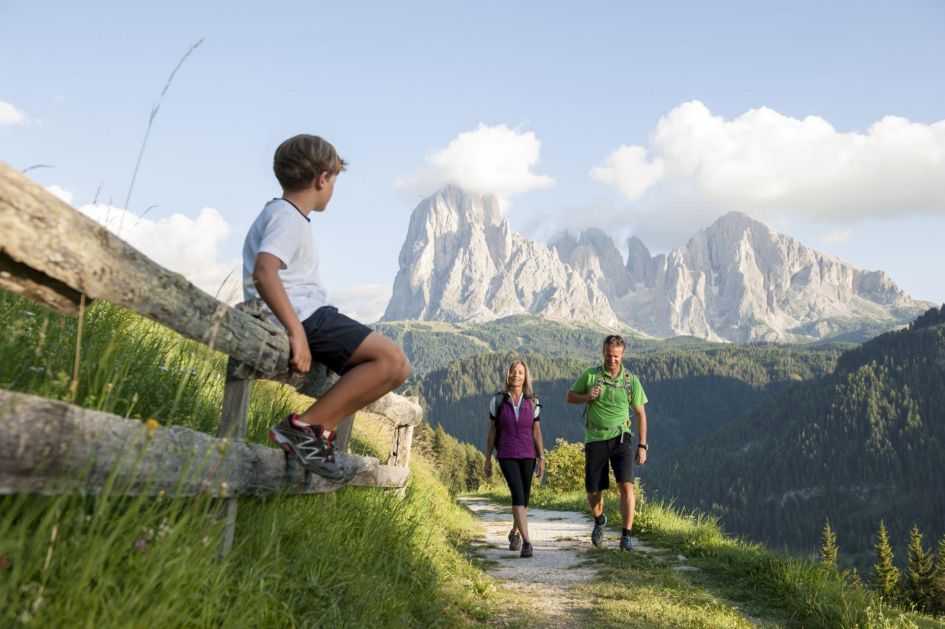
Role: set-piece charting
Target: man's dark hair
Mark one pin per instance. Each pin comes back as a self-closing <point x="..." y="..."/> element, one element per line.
<point x="615" y="340"/>
<point x="302" y="158"/>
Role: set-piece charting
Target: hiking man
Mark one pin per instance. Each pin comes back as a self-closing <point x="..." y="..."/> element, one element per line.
<point x="610" y="392"/>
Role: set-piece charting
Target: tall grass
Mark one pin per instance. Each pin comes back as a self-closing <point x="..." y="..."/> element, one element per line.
<point x="771" y="584"/>
<point x="355" y="557"/>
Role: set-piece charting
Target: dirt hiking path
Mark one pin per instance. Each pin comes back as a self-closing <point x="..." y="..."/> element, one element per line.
<point x="561" y="540"/>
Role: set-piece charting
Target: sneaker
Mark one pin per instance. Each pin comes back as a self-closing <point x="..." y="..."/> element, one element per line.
<point x="597" y="536"/>
<point x="312" y="451"/>
<point x="515" y="541"/>
<point x="526" y="549"/>
<point x="626" y="543"/>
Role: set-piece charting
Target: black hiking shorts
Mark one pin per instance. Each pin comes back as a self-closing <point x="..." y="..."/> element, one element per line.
<point x="333" y="337"/>
<point x="618" y="452"/>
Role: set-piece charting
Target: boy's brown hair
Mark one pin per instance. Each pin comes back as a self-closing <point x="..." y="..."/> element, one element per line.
<point x="302" y="158"/>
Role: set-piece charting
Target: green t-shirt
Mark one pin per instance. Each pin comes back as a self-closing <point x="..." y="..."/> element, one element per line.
<point x="608" y="415"/>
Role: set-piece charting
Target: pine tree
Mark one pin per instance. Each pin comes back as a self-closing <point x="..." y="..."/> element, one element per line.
<point x="885" y="573"/>
<point x="828" y="546"/>
<point x="938" y="579"/>
<point x="919" y="573"/>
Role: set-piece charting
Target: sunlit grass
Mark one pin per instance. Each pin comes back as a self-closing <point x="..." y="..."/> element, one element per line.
<point x="355" y="557"/>
<point x="738" y="583"/>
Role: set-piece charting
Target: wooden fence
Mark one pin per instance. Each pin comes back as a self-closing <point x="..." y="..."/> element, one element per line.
<point x="56" y="256"/>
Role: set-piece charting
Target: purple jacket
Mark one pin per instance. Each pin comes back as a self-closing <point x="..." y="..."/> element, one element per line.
<point x="514" y="439"/>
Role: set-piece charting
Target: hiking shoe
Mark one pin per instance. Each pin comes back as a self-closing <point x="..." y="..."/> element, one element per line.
<point x="515" y="541"/>
<point x="526" y="549"/>
<point x="597" y="535"/>
<point x="313" y="452"/>
<point x="626" y="543"/>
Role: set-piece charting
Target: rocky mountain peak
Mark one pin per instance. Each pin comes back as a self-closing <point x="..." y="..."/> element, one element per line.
<point x="461" y="262"/>
<point x="735" y="280"/>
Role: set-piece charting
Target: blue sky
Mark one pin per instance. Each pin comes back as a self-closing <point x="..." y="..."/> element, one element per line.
<point x="650" y="119"/>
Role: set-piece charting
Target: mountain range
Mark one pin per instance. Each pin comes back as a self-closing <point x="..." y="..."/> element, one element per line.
<point x="736" y="280"/>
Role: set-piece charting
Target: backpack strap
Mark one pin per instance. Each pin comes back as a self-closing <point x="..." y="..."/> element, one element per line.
<point x="497" y="400"/>
<point x="627" y="387"/>
<point x="536" y="404"/>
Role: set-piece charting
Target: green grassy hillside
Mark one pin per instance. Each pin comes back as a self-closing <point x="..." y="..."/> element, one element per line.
<point x="356" y="557"/>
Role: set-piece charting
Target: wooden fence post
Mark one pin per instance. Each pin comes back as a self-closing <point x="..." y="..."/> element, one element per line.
<point x="233" y="427"/>
<point x="400" y="448"/>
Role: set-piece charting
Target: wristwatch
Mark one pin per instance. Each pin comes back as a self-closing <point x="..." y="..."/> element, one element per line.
<point x="643" y="445"/>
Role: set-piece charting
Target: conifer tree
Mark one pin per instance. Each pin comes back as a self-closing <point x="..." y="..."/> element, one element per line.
<point x="828" y="546"/>
<point x="919" y="573"/>
<point x="885" y="573"/>
<point x="938" y="580"/>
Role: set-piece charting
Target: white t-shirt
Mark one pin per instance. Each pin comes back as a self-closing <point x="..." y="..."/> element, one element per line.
<point x="283" y="231"/>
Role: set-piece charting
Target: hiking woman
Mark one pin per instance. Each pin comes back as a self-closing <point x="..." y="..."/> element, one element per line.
<point x="515" y="434"/>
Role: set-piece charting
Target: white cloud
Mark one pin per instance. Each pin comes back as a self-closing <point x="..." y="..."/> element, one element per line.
<point x="496" y="160"/>
<point x="365" y="302"/>
<point x="187" y="246"/>
<point x="835" y="235"/>
<point x="627" y="169"/>
<point x="768" y="164"/>
<point x="61" y="193"/>
<point x="10" y="115"/>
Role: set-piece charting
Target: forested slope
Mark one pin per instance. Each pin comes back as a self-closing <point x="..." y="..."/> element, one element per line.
<point x="862" y="444"/>
<point x="692" y="391"/>
<point x="433" y="345"/>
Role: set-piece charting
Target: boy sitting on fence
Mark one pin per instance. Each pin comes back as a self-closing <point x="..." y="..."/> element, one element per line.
<point x="280" y="265"/>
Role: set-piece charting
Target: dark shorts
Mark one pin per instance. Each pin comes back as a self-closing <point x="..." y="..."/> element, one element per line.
<point x="596" y="456"/>
<point x="518" y="474"/>
<point x="333" y="338"/>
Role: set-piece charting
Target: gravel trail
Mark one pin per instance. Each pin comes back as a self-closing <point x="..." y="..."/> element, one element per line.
<point x="561" y="540"/>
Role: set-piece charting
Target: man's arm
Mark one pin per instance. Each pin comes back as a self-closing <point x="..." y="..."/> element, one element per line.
<point x="583" y="398"/>
<point x="271" y="289"/>
<point x="640" y="413"/>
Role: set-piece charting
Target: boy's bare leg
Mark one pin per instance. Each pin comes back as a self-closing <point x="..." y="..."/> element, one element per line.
<point x="380" y="366"/>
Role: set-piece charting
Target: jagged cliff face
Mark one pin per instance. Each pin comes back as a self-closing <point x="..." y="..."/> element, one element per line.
<point x="737" y="280"/>
<point x="461" y="262"/>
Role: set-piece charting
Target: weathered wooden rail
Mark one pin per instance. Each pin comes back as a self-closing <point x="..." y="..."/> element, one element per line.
<point x="56" y="256"/>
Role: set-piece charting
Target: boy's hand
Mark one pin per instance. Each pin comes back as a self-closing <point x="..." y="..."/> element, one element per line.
<point x="300" y="357"/>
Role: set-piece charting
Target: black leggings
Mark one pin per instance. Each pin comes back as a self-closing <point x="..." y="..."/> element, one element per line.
<point x="518" y="474"/>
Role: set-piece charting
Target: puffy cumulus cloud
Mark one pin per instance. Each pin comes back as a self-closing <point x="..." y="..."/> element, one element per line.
<point x="365" y="302"/>
<point x="61" y="193"/>
<point x="497" y="160"/>
<point x="768" y="164"/>
<point x="628" y="170"/>
<point x="10" y="115"/>
<point x="182" y="244"/>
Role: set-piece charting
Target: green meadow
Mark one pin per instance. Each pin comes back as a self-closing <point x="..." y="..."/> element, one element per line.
<point x="355" y="557"/>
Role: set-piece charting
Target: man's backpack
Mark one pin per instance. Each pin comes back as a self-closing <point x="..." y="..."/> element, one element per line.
<point x="625" y="383"/>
